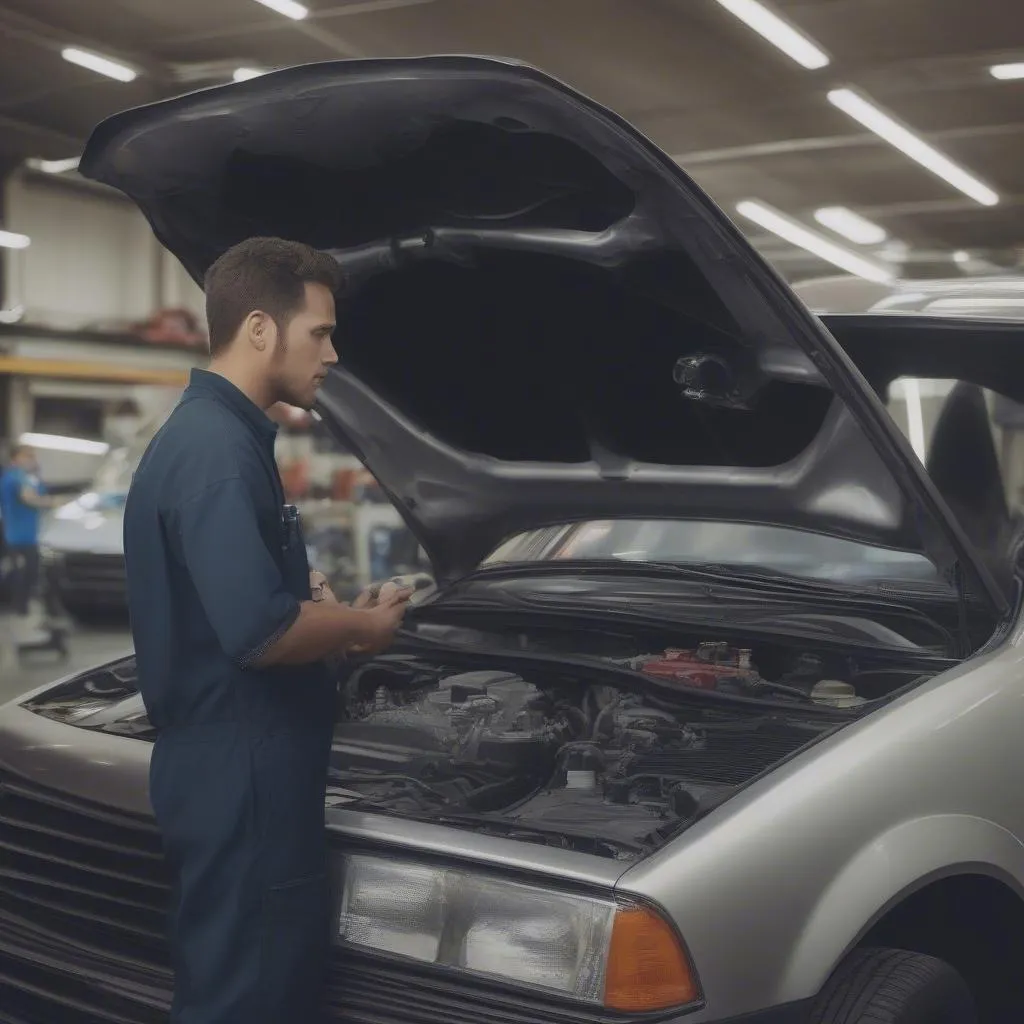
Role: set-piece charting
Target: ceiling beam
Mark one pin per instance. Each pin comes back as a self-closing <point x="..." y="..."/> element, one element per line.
<point x="326" y="38"/>
<point x="41" y="131"/>
<point x="15" y="25"/>
<point x="928" y="207"/>
<point x="276" y="24"/>
<point x="787" y="147"/>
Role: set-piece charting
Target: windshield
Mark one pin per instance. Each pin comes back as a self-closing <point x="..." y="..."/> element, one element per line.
<point x="764" y="548"/>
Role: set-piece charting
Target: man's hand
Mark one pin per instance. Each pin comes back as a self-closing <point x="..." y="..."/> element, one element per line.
<point x="372" y="595"/>
<point x="320" y="588"/>
<point x="386" y="615"/>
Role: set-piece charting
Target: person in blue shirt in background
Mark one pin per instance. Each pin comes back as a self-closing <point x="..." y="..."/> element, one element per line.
<point x="23" y="498"/>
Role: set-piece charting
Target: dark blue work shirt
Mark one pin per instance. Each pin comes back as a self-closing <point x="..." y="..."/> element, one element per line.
<point x="216" y="569"/>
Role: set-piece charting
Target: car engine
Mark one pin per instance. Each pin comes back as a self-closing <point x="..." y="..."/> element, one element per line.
<point x="557" y="760"/>
<point x="610" y="762"/>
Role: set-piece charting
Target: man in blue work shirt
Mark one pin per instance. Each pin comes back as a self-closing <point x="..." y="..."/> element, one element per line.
<point x="231" y="649"/>
<point x="22" y="500"/>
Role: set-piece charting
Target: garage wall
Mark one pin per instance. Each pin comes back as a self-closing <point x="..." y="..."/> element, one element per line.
<point x="93" y="261"/>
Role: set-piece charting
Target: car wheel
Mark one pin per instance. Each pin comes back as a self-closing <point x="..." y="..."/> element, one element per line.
<point x="891" y="986"/>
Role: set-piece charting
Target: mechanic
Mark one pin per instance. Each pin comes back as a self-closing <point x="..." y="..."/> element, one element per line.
<point x="22" y="498"/>
<point x="231" y="648"/>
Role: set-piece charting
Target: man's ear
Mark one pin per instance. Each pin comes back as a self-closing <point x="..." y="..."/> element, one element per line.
<point x="260" y="330"/>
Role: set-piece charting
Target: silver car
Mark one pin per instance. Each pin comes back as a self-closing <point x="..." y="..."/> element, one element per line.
<point x="714" y="711"/>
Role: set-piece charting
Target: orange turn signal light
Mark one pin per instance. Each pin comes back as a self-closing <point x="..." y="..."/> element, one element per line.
<point x="647" y="967"/>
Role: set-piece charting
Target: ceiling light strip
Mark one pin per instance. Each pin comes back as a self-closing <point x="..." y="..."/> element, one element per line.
<point x="1007" y="72"/>
<point x="911" y="145"/>
<point x="796" y="234"/>
<point x="14" y="240"/>
<point x="101" y="65"/>
<point x="289" y="8"/>
<point x="779" y="32"/>
<point x="850" y="225"/>
<point x="54" y="166"/>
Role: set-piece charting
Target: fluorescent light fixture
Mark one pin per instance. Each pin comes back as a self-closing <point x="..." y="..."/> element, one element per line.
<point x="1007" y="72"/>
<point x="56" y="166"/>
<point x="244" y="74"/>
<point x="796" y="234"/>
<point x="101" y="65"/>
<point x="778" y="32"/>
<point x="850" y="225"/>
<point x="288" y="8"/>
<point x="887" y="128"/>
<point x="12" y="240"/>
<point x="57" y="443"/>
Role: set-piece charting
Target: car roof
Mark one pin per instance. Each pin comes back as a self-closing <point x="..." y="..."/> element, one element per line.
<point x="999" y="297"/>
<point x="983" y="297"/>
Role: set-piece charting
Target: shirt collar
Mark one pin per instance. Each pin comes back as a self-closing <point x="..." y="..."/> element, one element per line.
<point x="226" y="392"/>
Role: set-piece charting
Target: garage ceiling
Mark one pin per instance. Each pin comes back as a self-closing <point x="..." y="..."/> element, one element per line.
<point x="746" y="120"/>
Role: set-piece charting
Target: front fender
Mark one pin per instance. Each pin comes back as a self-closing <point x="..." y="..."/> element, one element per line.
<point x="885" y="872"/>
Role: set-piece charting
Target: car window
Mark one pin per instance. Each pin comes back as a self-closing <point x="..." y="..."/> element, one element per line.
<point x="994" y="432"/>
<point x="767" y="548"/>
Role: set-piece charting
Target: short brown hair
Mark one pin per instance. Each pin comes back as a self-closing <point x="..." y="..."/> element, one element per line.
<point x="269" y="274"/>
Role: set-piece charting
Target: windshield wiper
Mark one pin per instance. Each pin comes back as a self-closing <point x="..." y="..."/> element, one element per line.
<point x="709" y="573"/>
<point x="724" y="581"/>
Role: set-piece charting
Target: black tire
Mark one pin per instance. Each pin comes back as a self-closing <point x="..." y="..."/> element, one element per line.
<point x="891" y="986"/>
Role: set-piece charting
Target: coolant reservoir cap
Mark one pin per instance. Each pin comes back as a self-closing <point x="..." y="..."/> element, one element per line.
<point x="833" y="688"/>
<point x="836" y="692"/>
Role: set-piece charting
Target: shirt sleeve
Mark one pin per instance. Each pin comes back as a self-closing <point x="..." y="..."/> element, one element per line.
<point x="236" y="577"/>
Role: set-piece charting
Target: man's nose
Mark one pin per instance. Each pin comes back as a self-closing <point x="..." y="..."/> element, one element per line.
<point x="330" y="354"/>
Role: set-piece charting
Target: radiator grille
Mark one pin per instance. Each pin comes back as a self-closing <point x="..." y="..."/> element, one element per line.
<point x="83" y="897"/>
<point x="91" y="876"/>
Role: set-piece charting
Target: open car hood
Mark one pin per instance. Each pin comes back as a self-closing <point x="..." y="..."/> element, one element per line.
<point x="547" y="320"/>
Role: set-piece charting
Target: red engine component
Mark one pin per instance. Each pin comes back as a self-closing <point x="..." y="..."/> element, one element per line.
<point x="703" y="668"/>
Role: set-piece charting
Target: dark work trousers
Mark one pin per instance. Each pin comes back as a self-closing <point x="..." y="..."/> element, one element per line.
<point x="241" y="810"/>
<point x="24" y="577"/>
<point x="240" y="805"/>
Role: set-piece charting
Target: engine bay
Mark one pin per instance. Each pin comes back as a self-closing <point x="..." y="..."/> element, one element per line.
<point x="613" y="757"/>
<point x="549" y="757"/>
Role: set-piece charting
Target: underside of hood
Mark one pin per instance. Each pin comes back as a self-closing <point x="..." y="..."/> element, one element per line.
<point x="546" y="320"/>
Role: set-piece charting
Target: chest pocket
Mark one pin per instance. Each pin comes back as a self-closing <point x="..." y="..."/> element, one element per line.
<point x="294" y="560"/>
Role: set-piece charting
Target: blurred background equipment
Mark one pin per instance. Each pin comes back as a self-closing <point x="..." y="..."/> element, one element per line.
<point x="172" y="327"/>
<point x="353" y="533"/>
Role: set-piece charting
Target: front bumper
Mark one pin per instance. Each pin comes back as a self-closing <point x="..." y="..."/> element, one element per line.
<point x="43" y="980"/>
<point x="83" y="908"/>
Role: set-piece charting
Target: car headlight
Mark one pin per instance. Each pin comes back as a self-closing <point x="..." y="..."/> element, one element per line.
<point x="624" y="957"/>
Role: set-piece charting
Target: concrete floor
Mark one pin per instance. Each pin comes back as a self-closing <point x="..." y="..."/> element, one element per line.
<point x="88" y="645"/>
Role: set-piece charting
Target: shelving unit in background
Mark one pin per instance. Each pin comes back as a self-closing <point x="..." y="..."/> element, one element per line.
<point x="65" y="382"/>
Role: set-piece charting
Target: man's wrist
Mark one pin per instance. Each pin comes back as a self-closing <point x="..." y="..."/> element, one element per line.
<point x="359" y="626"/>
